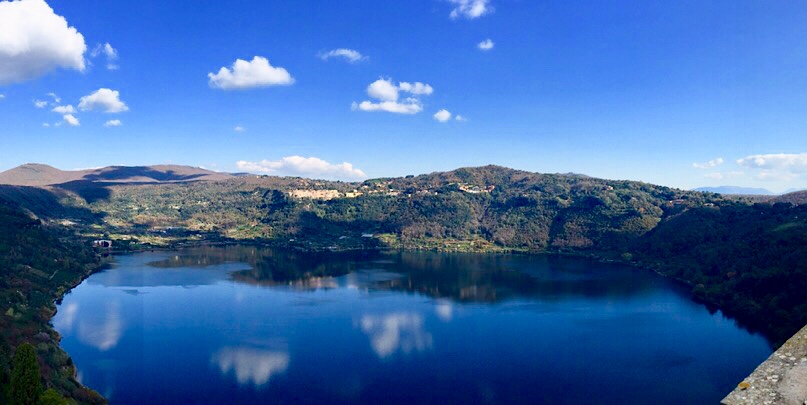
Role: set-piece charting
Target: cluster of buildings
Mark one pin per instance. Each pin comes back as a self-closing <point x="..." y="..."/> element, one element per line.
<point x="377" y="189"/>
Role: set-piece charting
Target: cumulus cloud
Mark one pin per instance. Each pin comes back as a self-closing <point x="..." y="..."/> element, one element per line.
<point x="239" y="128"/>
<point x="56" y="99"/>
<point x="408" y="106"/>
<point x="40" y="103"/>
<point x="349" y="55"/>
<point x="71" y="120"/>
<point x="442" y="115"/>
<point x="64" y="109"/>
<point x="460" y="118"/>
<point x="34" y="41"/>
<point x="708" y="165"/>
<point x="113" y="123"/>
<point x="248" y="75"/>
<point x="470" y="9"/>
<point x="106" y="100"/>
<point x="416" y="88"/>
<point x="776" y="166"/>
<point x="304" y="167"/>
<point x="388" y="93"/>
<point x="109" y="52"/>
<point x="789" y="161"/>
<point x="486" y="45"/>
<point x="383" y="89"/>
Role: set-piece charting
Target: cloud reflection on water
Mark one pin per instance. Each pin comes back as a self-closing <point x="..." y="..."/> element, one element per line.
<point x="251" y="365"/>
<point x="102" y="332"/>
<point x="444" y="310"/>
<point x="64" y="322"/>
<point x="103" y="335"/>
<point x="396" y="332"/>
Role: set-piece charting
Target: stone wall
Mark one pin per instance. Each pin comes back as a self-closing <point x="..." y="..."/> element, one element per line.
<point x="781" y="379"/>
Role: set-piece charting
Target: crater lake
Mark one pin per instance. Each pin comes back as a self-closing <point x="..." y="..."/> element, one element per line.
<point x="246" y="324"/>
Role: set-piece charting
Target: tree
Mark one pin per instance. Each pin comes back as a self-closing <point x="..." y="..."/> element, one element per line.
<point x="26" y="382"/>
<point x="52" y="397"/>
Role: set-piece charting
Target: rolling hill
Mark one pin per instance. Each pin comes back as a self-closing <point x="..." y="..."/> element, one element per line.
<point x="37" y="175"/>
<point x="795" y="198"/>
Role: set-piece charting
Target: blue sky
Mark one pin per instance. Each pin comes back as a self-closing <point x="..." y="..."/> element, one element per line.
<point x="639" y="90"/>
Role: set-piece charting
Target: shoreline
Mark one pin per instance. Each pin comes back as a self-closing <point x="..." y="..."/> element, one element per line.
<point x="195" y="244"/>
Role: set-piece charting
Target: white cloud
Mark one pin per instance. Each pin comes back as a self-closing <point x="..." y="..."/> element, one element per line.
<point x="486" y="45"/>
<point x="34" y="41"/>
<point x="2" y="96"/>
<point x="442" y="115"/>
<point x="113" y="123"/>
<point x="708" y="165"/>
<point x="110" y="53"/>
<point x="416" y="88"/>
<point x="64" y="109"/>
<point x="56" y="99"/>
<point x="71" y="120"/>
<point x="303" y="167"/>
<point x="460" y="118"/>
<point x="46" y="125"/>
<point x="470" y="9"/>
<point x="776" y="166"/>
<point x="388" y="93"/>
<point x="776" y="175"/>
<point x="409" y="106"/>
<point x="104" y="99"/>
<point x="349" y="55"/>
<point x="383" y="89"/>
<point x="787" y="161"/>
<point x="247" y="75"/>
<point x="40" y="103"/>
<point x="239" y="128"/>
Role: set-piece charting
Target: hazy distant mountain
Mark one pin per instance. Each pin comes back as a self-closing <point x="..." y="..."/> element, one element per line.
<point x="793" y="190"/>
<point x="735" y="190"/>
<point x="33" y="174"/>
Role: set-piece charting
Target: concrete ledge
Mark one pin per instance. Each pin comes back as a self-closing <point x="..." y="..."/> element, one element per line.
<point x="781" y="379"/>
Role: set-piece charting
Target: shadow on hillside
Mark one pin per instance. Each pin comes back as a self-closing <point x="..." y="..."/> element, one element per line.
<point x="46" y="204"/>
<point x="140" y="172"/>
<point x="88" y="190"/>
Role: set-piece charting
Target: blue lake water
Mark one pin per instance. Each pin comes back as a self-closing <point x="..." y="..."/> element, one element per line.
<point x="241" y="324"/>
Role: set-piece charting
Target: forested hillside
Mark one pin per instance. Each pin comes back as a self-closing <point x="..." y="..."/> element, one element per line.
<point x="37" y="265"/>
<point x="492" y="206"/>
<point x="750" y="260"/>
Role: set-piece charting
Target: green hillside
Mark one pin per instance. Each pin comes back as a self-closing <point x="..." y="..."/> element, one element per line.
<point x="37" y="265"/>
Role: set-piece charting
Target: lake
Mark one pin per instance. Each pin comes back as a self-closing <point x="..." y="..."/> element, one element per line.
<point x="243" y="324"/>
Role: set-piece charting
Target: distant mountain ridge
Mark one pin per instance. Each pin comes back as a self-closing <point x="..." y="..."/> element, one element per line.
<point x="37" y="175"/>
<point x="737" y="190"/>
